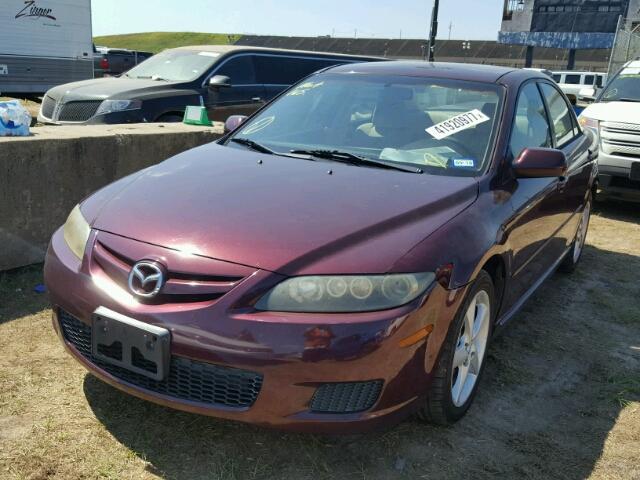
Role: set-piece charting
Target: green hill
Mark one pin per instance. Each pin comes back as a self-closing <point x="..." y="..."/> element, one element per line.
<point x="158" y="41"/>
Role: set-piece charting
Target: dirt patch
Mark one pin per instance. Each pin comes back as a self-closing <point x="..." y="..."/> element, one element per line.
<point x="561" y="399"/>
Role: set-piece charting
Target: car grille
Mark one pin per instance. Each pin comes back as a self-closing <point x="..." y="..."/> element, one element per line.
<point x="622" y="139"/>
<point x="180" y="287"/>
<point x="188" y="380"/>
<point x="48" y="107"/>
<point x="78" y="111"/>
<point x="346" y="397"/>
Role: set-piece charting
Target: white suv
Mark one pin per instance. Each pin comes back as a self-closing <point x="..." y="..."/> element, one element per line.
<point x="572" y="82"/>
<point x="615" y="116"/>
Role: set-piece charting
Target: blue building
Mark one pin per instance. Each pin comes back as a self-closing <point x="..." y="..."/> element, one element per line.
<point x="566" y="24"/>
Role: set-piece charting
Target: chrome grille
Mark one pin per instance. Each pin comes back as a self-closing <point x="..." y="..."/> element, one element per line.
<point x="180" y="287"/>
<point x="346" y="397"/>
<point x="188" y="380"/>
<point x="48" y="107"/>
<point x="622" y="139"/>
<point x="78" y="111"/>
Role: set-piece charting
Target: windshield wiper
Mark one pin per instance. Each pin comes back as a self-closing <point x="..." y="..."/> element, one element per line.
<point x="254" y="146"/>
<point x="635" y="100"/>
<point x="351" y="159"/>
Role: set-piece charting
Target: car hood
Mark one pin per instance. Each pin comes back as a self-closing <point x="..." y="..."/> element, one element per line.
<point x="624" y="112"/>
<point x="287" y="215"/>
<point x="115" y="87"/>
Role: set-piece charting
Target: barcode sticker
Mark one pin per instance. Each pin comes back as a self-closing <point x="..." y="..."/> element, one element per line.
<point x="457" y="124"/>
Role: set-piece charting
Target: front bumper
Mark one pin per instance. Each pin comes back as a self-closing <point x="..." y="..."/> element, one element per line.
<point x="615" y="177"/>
<point x="294" y="354"/>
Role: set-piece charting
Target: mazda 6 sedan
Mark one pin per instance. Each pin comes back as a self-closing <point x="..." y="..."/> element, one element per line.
<point x="339" y="260"/>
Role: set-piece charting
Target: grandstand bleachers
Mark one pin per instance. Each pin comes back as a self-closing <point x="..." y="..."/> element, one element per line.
<point x="488" y="52"/>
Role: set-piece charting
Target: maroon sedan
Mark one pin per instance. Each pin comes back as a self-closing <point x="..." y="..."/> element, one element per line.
<point x="341" y="259"/>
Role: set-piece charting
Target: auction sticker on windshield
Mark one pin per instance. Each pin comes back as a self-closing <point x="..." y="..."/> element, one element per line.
<point x="457" y="124"/>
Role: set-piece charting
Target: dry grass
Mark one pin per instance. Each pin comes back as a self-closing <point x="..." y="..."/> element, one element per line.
<point x="561" y="399"/>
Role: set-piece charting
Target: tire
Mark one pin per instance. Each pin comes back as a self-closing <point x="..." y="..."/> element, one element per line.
<point x="441" y="407"/>
<point x="571" y="259"/>
<point x="169" y="118"/>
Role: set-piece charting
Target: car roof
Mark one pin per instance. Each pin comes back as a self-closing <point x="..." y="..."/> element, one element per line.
<point x="418" y="68"/>
<point x="576" y="72"/>
<point x="223" y="49"/>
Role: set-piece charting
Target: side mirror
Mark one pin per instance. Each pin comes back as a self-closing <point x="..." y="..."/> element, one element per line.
<point x="540" y="163"/>
<point x="233" y="122"/>
<point x="219" y="81"/>
<point x="587" y="94"/>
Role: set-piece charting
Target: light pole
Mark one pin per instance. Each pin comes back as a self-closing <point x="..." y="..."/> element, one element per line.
<point x="466" y="46"/>
<point x="434" y="31"/>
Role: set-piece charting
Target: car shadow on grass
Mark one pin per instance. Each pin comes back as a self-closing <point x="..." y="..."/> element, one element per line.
<point x="18" y="296"/>
<point x="557" y="379"/>
<point x="615" y="210"/>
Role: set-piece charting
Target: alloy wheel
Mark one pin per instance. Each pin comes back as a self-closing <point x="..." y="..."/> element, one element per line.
<point x="470" y="348"/>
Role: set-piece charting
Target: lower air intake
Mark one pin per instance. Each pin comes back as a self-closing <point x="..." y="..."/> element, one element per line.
<point x="346" y="397"/>
<point x="187" y="380"/>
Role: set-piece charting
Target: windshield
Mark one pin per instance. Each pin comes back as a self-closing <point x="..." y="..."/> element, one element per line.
<point x="443" y="127"/>
<point x="175" y="66"/>
<point x="626" y="86"/>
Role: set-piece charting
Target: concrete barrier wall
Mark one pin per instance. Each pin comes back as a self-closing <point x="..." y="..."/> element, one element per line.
<point x="42" y="177"/>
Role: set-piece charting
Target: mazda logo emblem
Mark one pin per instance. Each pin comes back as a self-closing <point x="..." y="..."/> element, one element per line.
<point x="146" y="279"/>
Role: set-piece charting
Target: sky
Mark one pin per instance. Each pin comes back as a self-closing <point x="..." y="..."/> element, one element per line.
<point x="471" y="19"/>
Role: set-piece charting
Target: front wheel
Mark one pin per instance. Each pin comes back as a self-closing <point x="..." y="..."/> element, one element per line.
<point x="574" y="254"/>
<point x="169" y="118"/>
<point x="462" y="359"/>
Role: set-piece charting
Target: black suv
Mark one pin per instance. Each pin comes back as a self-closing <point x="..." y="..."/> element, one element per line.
<point x="228" y="80"/>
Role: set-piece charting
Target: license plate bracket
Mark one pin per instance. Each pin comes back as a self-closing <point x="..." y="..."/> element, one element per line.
<point x="128" y="343"/>
<point x="634" y="174"/>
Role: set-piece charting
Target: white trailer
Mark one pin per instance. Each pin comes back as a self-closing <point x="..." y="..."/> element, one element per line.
<point x="44" y="43"/>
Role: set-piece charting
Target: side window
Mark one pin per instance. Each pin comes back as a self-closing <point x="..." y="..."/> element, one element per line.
<point x="530" y="128"/>
<point x="572" y="79"/>
<point x="274" y="70"/>
<point x="240" y="70"/>
<point x="599" y="81"/>
<point x="560" y="113"/>
<point x="557" y="77"/>
<point x="589" y="79"/>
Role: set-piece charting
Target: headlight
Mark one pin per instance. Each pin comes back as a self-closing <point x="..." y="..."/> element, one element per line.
<point x="588" y="122"/>
<point x="109" y="106"/>
<point x="339" y="294"/>
<point x="76" y="232"/>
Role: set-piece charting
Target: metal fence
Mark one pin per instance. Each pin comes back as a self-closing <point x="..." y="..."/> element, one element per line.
<point x="627" y="44"/>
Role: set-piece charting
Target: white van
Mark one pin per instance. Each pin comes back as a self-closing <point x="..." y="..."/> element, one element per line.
<point x="615" y="116"/>
<point x="572" y="82"/>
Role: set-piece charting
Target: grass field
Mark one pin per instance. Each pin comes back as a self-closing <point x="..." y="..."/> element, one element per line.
<point x="560" y="400"/>
<point x="157" y="41"/>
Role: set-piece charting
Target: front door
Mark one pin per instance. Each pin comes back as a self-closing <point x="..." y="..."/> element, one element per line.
<point x="537" y="202"/>
<point x="243" y="97"/>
